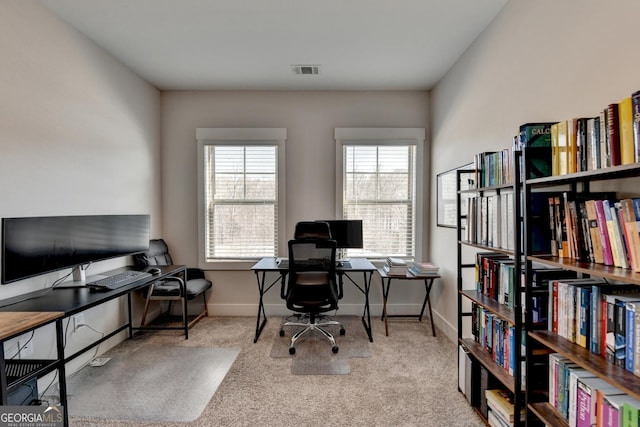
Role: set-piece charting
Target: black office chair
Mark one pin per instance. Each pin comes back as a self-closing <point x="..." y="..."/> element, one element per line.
<point x="312" y="288"/>
<point x="172" y="288"/>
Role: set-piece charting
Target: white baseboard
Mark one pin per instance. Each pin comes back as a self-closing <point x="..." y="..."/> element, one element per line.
<point x="251" y="310"/>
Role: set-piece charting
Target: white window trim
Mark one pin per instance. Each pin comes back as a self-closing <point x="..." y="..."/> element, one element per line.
<point x="206" y="136"/>
<point x="385" y="136"/>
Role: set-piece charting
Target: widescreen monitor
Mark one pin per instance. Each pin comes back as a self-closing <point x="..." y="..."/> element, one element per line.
<point x="32" y="246"/>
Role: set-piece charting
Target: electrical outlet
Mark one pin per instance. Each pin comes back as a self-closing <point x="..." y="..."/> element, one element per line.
<point x="78" y="320"/>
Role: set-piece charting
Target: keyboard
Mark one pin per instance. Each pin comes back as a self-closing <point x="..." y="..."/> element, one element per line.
<point x="118" y="280"/>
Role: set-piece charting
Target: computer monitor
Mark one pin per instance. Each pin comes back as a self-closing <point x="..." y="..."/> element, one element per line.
<point x="346" y="232"/>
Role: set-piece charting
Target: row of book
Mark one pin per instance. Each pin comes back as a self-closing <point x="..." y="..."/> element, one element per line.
<point x="490" y="220"/>
<point x="399" y="267"/>
<point x="494" y="168"/>
<point x="583" y="399"/>
<point x="601" y="317"/>
<point x="597" y="229"/>
<point x="495" y="277"/>
<point x="610" y="138"/>
<point x="496" y="336"/>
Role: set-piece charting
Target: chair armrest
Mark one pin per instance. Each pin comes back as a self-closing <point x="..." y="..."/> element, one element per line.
<point x="165" y="280"/>
<point x="195" y="273"/>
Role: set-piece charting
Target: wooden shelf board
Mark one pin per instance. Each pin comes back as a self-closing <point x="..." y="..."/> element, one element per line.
<point x="492" y="305"/>
<point x="485" y="359"/>
<point x="614" y="375"/>
<point x="615" y="172"/>
<point x="486" y="247"/>
<point x="548" y="414"/>
<point x="599" y="270"/>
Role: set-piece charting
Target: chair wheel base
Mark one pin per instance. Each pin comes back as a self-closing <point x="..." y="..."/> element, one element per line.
<point x="292" y="350"/>
<point x="335" y="349"/>
<point x="342" y="331"/>
<point x="281" y="332"/>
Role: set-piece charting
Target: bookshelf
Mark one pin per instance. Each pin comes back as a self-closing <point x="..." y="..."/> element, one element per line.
<point x="541" y="340"/>
<point x="488" y="216"/>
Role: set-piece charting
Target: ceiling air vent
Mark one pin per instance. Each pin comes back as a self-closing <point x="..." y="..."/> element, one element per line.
<point x="310" y="70"/>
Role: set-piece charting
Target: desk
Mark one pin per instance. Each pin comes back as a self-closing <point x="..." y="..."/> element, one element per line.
<point x="16" y="372"/>
<point x="428" y="282"/>
<point x="355" y="265"/>
<point x="65" y="302"/>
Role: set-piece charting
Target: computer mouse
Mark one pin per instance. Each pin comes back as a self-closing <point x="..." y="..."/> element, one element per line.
<point x="154" y="270"/>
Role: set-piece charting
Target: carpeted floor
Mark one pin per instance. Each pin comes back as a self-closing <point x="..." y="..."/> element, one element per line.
<point x="409" y="380"/>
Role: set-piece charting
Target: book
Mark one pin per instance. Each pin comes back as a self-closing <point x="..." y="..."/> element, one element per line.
<point x="613" y="135"/>
<point x="594" y="232"/>
<point x="574" y="374"/>
<point x="620" y="328"/>
<point x="593" y="143"/>
<point x="535" y="142"/>
<point x="600" y="402"/>
<point x="605" y="155"/>
<point x="603" y="228"/>
<point x="572" y="145"/>
<point x="632" y="232"/>
<point x="502" y="403"/>
<point x="563" y="152"/>
<point x="630" y="413"/>
<point x="423" y="269"/>
<point x="632" y="310"/>
<point x="635" y="111"/>
<point x="586" y="398"/>
<point x="625" y="122"/>
<point x="612" y="406"/>
<point x="395" y="267"/>
<point x="614" y="237"/>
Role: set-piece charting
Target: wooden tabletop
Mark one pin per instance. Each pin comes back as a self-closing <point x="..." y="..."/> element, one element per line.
<point x="16" y="322"/>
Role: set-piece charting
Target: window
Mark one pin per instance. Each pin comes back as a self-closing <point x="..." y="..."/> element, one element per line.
<point x="241" y="182"/>
<point x="380" y="181"/>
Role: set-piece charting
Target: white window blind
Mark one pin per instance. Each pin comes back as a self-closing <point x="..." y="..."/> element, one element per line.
<point x="241" y="186"/>
<point x="242" y="201"/>
<point x="381" y="185"/>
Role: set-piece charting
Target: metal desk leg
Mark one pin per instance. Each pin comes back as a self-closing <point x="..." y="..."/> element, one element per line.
<point x="427" y="300"/>
<point x="385" y="295"/>
<point x="62" y="376"/>
<point x="367" y="310"/>
<point x="261" y="313"/>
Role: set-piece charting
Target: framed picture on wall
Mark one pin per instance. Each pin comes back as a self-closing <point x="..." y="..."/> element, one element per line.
<point x="447" y="189"/>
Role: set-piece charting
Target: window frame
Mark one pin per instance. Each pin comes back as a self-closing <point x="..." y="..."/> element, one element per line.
<point x="240" y="137"/>
<point x="388" y="137"/>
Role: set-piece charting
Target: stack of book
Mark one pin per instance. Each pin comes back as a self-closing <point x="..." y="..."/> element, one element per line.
<point x="395" y="267"/>
<point x="501" y="408"/>
<point x="423" y="269"/>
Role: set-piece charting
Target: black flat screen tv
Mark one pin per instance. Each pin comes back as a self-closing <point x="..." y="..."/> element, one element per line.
<point x="32" y="246"/>
<point x="346" y="232"/>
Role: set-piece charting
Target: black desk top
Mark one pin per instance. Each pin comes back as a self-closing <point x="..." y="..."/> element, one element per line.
<point x="74" y="300"/>
<point x="355" y="265"/>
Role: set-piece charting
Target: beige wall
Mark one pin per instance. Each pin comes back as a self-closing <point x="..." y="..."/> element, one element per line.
<point x="310" y="119"/>
<point x="541" y="60"/>
<point x="79" y="134"/>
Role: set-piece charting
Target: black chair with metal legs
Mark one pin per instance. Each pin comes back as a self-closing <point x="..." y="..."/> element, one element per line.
<point x="312" y="289"/>
<point x="172" y="288"/>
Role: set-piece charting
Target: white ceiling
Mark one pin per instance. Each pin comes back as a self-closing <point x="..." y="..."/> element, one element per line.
<point x="251" y="44"/>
